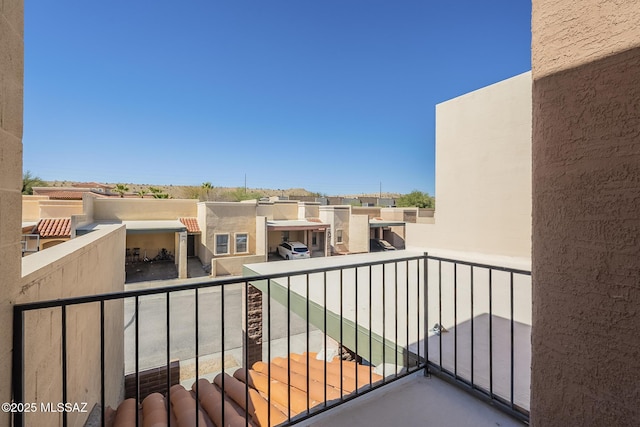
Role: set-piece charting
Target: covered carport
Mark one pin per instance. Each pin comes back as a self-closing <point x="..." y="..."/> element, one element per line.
<point x="393" y="232"/>
<point x="153" y="240"/>
<point x="312" y="233"/>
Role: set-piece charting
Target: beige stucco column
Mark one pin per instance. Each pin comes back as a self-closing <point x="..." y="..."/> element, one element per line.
<point x="11" y="89"/>
<point x="182" y="255"/>
<point x="586" y="213"/>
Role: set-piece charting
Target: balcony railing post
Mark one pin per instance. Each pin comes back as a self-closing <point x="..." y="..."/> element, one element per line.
<point x="425" y="302"/>
<point x="18" y="363"/>
<point x="64" y="363"/>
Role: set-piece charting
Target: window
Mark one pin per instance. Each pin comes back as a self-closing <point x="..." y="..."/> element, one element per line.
<point x="242" y="243"/>
<point x="222" y="244"/>
<point x="285" y="236"/>
<point x="338" y="236"/>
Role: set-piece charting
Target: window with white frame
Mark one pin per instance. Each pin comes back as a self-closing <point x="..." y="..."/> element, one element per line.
<point x="338" y="236"/>
<point x="242" y="243"/>
<point x="222" y="244"/>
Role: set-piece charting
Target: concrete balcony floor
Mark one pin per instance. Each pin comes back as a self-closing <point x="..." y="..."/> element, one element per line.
<point x="415" y="401"/>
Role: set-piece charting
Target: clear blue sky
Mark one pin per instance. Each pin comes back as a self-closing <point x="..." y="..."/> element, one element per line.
<point x="334" y="96"/>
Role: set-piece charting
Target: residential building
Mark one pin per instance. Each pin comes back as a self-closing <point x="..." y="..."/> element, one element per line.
<point x="585" y="268"/>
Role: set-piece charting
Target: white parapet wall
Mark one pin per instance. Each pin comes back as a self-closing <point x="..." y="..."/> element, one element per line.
<point x="483" y="172"/>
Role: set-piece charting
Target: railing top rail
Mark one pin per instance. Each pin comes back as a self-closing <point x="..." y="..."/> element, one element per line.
<point x="481" y="265"/>
<point x="198" y="285"/>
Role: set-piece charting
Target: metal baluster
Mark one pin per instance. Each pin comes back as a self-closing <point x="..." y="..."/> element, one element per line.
<point x="197" y="361"/>
<point x="512" y="331"/>
<point x="288" y="348"/>
<point x="64" y="364"/>
<point x="490" y="334"/>
<point x="168" y="308"/>
<point x="102" y="349"/>
<point x="455" y="320"/>
<point x="268" y="353"/>
<point x="222" y="310"/>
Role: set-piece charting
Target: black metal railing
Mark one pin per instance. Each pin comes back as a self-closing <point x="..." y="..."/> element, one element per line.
<point x="483" y="317"/>
<point x="379" y="312"/>
<point x="372" y="310"/>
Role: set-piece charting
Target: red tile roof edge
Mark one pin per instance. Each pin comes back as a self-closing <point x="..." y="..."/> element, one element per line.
<point x="191" y="224"/>
<point x="54" y="227"/>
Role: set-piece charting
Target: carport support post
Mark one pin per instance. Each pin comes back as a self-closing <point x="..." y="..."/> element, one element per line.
<point x="182" y="255"/>
<point x="252" y="330"/>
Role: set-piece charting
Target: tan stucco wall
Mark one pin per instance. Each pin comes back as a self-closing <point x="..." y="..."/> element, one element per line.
<point x="261" y="235"/>
<point x="371" y="212"/>
<point x="87" y="265"/>
<point x="359" y="233"/>
<point x="226" y="218"/>
<point x="232" y="266"/>
<point x="143" y="209"/>
<point x="152" y="243"/>
<point x="31" y="207"/>
<point x="34" y="209"/>
<point x="586" y="222"/>
<point x="568" y="34"/>
<point x="285" y="210"/>
<point x="341" y="222"/>
<point x="11" y="89"/>
<point x="308" y="210"/>
<point x="483" y="172"/>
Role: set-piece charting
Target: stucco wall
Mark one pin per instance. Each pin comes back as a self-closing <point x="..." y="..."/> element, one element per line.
<point x="285" y="210"/>
<point x="86" y="265"/>
<point x="483" y="172"/>
<point x="359" y="233"/>
<point x="227" y="218"/>
<point x="34" y="209"/>
<point x="31" y="207"/>
<point x="586" y="222"/>
<point x="371" y="212"/>
<point x="152" y="243"/>
<point x="143" y="209"/>
<point x="568" y="34"/>
<point x="232" y="266"/>
<point x="11" y="86"/>
<point x="308" y="210"/>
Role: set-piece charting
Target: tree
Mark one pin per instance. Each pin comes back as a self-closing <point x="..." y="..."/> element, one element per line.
<point x="29" y="181"/>
<point x="141" y="193"/>
<point x="416" y="198"/>
<point x="121" y="189"/>
<point x="157" y="193"/>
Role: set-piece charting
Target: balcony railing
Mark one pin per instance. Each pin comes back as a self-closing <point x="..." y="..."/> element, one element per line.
<point x="379" y="313"/>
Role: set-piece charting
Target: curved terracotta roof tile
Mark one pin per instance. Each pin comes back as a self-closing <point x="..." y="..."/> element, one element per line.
<point x="54" y="227"/>
<point x="213" y="400"/>
<point x="191" y="224"/>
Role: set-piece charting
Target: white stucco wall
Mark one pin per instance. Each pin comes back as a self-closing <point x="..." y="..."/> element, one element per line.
<point x="483" y="172"/>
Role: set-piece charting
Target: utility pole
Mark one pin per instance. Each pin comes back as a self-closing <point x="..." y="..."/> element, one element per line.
<point x="380" y="194"/>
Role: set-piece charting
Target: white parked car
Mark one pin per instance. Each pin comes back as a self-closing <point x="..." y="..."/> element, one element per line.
<point x="293" y="250"/>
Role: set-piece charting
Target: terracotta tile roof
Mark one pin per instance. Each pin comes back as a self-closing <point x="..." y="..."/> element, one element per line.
<point x="191" y="224"/>
<point x="54" y="227"/>
<point x="288" y="377"/>
<point x="63" y="195"/>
